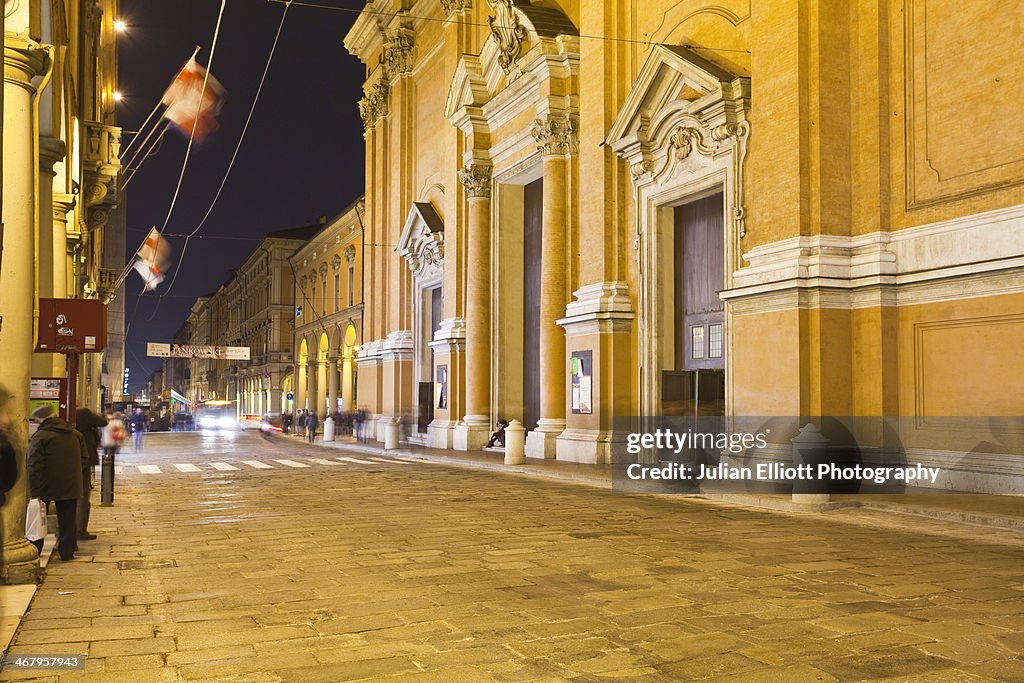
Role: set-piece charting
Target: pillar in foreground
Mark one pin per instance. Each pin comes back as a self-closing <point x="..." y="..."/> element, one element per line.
<point x="23" y="61"/>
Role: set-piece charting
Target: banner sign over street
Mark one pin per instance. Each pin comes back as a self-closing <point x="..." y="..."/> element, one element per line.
<point x="193" y="351"/>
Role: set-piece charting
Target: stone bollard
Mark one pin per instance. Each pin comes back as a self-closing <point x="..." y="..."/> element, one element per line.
<point x="809" y="448"/>
<point x="515" y="443"/>
<point x="329" y="429"/>
<point x="391" y="434"/>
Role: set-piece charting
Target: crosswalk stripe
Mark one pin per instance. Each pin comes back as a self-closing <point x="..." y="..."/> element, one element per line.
<point x="392" y="462"/>
<point x="118" y="469"/>
<point x="187" y="467"/>
<point x="321" y="461"/>
<point x="357" y="460"/>
<point x="149" y="469"/>
<point x="292" y="463"/>
<point x="256" y="464"/>
<point x="222" y="466"/>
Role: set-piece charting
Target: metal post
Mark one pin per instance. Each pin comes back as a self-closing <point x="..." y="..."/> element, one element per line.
<point x="107" y="480"/>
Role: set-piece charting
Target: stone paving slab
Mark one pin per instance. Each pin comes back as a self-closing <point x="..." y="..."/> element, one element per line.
<point x="430" y="573"/>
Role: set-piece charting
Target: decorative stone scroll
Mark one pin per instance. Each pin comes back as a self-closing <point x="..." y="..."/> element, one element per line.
<point x="509" y="33"/>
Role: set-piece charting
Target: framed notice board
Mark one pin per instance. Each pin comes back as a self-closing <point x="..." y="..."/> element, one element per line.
<point x="581" y="370"/>
<point x="441" y="386"/>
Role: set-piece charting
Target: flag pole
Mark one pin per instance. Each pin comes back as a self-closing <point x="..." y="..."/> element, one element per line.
<point x="147" y="152"/>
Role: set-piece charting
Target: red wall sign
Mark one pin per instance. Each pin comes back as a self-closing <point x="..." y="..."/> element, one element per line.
<point x="72" y="326"/>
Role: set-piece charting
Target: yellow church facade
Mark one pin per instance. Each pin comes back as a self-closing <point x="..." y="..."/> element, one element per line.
<point x="577" y="211"/>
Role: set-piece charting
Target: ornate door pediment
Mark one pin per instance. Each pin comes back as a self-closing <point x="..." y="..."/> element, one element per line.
<point x="422" y="242"/>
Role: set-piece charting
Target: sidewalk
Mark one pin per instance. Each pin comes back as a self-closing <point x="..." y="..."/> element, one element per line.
<point x="998" y="511"/>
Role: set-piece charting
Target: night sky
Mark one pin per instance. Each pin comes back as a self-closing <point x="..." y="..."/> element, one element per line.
<point x="302" y="156"/>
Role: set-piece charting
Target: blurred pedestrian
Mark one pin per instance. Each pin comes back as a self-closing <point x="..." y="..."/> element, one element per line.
<point x="311" y="424"/>
<point x="8" y="456"/>
<point x="361" y="426"/>
<point x="140" y="425"/>
<point x="498" y="435"/>
<point x="113" y="435"/>
<point x="58" y="462"/>
<point x="88" y="424"/>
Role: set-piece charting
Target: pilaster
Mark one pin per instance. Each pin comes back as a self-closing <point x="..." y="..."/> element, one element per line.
<point x="597" y="326"/>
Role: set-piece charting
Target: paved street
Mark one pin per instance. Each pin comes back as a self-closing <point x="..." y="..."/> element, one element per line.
<point x="266" y="560"/>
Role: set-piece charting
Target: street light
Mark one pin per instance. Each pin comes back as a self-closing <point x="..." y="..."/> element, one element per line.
<point x="117" y="96"/>
<point x="120" y="26"/>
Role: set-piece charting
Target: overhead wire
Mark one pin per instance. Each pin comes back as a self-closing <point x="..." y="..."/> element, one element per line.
<point x="184" y="163"/>
<point x="231" y="164"/>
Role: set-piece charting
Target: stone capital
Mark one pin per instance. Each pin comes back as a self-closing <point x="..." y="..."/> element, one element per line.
<point x="397" y="52"/>
<point x="453" y="6"/>
<point x="374" y="103"/>
<point x="556" y="134"/>
<point x="24" y="59"/>
<point x="477" y="179"/>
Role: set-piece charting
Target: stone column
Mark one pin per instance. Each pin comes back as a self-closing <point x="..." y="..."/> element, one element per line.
<point x="300" y="387"/>
<point x="23" y="61"/>
<point x="63" y="204"/>
<point x="346" y="383"/>
<point x="316" y="392"/>
<point x="52" y="250"/>
<point x="472" y="433"/>
<point x="274" y="394"/>
<point x="555" y="137"/>
<point x="332" y="386"/>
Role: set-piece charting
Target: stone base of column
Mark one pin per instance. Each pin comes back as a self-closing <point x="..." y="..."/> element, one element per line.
<point x="589" y="446"/>
<point x="441" y="433"/>
<point x="542" y="442"/>
<point x="472" y="433"/>
<point x="20" y="563"/>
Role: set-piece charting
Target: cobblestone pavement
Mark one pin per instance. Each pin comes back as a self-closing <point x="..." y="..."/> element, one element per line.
<point x="347" y="570"/>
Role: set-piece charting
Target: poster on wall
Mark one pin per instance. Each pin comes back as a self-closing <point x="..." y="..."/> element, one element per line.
<point x="441" y="386"/>
<point x="581" y="370"/>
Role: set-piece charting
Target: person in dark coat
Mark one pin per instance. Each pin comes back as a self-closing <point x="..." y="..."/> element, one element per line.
<point x="8" y="457"/>
<point x="140" y="425"/>
<point x="58" y="461"/>
<point x="311" y="424"/>
<point x="89" y="424"/>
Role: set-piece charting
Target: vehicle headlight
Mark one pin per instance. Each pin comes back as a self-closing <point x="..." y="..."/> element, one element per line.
<point x="226" y="423"/>
<point x="207" y="423"/>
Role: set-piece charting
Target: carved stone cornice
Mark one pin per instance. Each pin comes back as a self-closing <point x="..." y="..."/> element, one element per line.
<point x="350" y="254"/>
<point x="62" y="205"/>
<point x="453" y="6"/>
<point x="374" y="104"/>
<point x="51" y="151"/>
<point x="509" y="33"/>
<point x="556" y="134"/>
<point x="397" y="52"/>
<point x="476" y="178"/>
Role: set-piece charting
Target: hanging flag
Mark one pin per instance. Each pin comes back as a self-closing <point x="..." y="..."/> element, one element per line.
<point x="152" y="259"/>
<point x="183" y="105"/>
